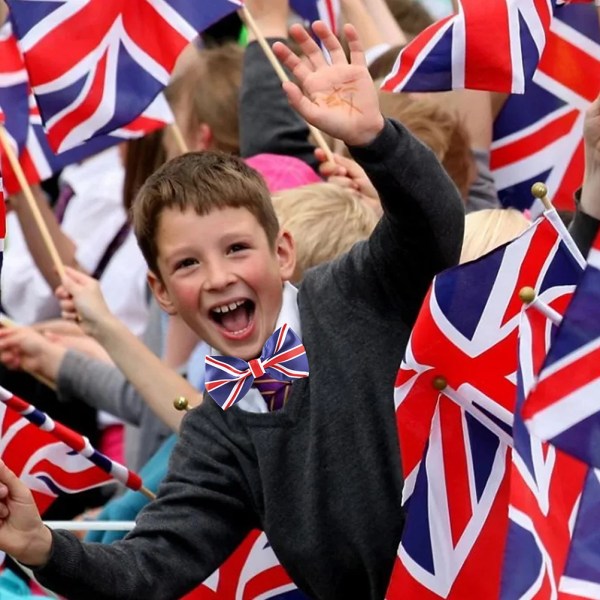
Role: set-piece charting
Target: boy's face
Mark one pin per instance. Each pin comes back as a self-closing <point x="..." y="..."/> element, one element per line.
<point x="221" y="276"/>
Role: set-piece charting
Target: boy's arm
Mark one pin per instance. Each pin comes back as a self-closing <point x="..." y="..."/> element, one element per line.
<point x="267" y="123"/>
<point x="200" y="516"/>
<point x="421" y="231"/>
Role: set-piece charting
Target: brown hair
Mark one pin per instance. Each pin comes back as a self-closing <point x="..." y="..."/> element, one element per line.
<point x="412" y="16"/>
<point x="203" y="182"/>
<point x="437" y="128"/>
<point x="142" y="157"/>
<point x="325" y="221"/>
<point x="210" y="85"/>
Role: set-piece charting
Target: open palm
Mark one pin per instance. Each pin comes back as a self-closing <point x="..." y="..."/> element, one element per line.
<point x="338" y="98"/>
<point x="592" y="131"/>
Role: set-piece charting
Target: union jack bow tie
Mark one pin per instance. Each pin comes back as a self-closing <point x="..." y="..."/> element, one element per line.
<point x="283" y="357"/>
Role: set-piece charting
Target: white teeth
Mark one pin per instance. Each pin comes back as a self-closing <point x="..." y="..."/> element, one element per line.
<point x="227" y="307"/>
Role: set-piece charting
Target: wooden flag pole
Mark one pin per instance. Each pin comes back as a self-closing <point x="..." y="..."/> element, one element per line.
<point x="528" y="296"/>
<point x="260" y="38"/>
<point x="179" y="139"/>
<point x="148" y="493"/>
<point x="28" y="193"/>
<point x="455" y="6"/>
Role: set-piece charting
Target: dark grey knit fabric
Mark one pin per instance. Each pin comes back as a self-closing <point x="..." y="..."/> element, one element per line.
<point x="322" y="476"/>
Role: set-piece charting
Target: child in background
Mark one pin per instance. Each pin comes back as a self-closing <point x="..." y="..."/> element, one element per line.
<point x="325" y="221"/>
<point x="321" y="475"/>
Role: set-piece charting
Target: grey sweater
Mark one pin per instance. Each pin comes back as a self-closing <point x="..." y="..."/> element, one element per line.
<point x="322" y="477"/>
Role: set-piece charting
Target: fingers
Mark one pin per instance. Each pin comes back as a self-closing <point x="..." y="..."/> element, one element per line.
<point x="14" y="487"/>
<point x="301" y="69"/>
<point x="331" y="43"/>
<point x="357" y="54"/>
<point x="298" y="101"/>
<point x="309" y="47"/>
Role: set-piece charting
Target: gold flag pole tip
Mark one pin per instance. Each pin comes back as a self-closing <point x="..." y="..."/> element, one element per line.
<point x="527" y="294"/>
<point x="439" y="383"/>
<point x="181" y="403"/>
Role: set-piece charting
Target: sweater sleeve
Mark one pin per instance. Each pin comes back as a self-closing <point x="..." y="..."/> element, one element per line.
<point x="200" y="516"/>
<point x="583" y="227"/>
<point x="267" y="122"/>
<point x="99" y="385"/>
<point x="420" y="233"/>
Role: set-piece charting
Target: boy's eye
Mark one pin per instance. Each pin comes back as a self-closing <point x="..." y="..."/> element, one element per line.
<point x="186" y="262"/>
<point x="237" y="248"/>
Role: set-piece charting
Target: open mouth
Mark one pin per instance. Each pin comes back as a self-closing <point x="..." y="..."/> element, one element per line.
<point x="235" y="317"/>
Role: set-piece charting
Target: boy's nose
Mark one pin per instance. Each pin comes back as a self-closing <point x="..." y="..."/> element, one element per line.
<point x="218" y="276"/>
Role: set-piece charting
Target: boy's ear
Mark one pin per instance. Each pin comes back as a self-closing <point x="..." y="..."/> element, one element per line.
<point x="285" y="249"/>
<point x="161" y="293"/>
<point x="202" y="137"/>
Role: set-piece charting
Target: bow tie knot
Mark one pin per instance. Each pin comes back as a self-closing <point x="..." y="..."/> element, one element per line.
<point x="283" y="358"/>
<point x="256" y="367"/>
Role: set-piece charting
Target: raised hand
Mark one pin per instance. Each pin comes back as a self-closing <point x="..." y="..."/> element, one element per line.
<point x="23" y="535"/>
<point x="81" y="300"/>
<point x="591" y="135"/>
<point x="590" y="195"/>
<point x="338" y="98"/>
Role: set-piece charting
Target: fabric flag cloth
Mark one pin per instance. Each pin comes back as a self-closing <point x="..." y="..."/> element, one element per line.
<point x="252" y="571"/>
<point x="46" y="465"/>
<point x="95" y="66"/>
<point x="67" y="447"/>
<point x="564" y="406"/>
<point x="455" y="399"/>
<point x="545" y="483"/>
<point x="539" y="136"/>
<point x="455" y="52"/>
<point x="24" y="126"/>
<point x="283" y="358"/>
<point x="314" y="10"/>
<point x="581" y="576"/>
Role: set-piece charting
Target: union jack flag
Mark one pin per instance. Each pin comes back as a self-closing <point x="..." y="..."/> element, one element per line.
<point x="538" y="136"/>
<point x="455" y="52"/>
<point x="564" y="406"/>
<point x="314" y="10"/>
<point x="252" y="571"/>
<point x="75" y="442"/>
<point x="24" y="125"/>
<point x="96" y="65"/>
<point x="581" y="577"/>
<point x="46" y="465"/>
<point x="545" y="483"/>
<point x="455" y="444"/>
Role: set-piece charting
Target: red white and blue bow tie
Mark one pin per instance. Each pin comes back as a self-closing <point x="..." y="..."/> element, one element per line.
<point x="283" y="357"/>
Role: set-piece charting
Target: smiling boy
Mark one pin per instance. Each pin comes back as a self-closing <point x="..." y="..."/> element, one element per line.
<point x="321" y="476"/>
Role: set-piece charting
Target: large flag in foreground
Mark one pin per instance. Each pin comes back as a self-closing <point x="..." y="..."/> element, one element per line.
<point x="24" y="127"/>
<point x="545" y="483"/>
<point x="539" y="136"/>
<point x="96" y="65"/>
<point x="493" y="45"/>
<point x="46" y="465"/>
<point x="252" y="571"/>
<point x="455" y="397"/>
<point x="106" y="468"/>
<point x="564" y="406"/>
